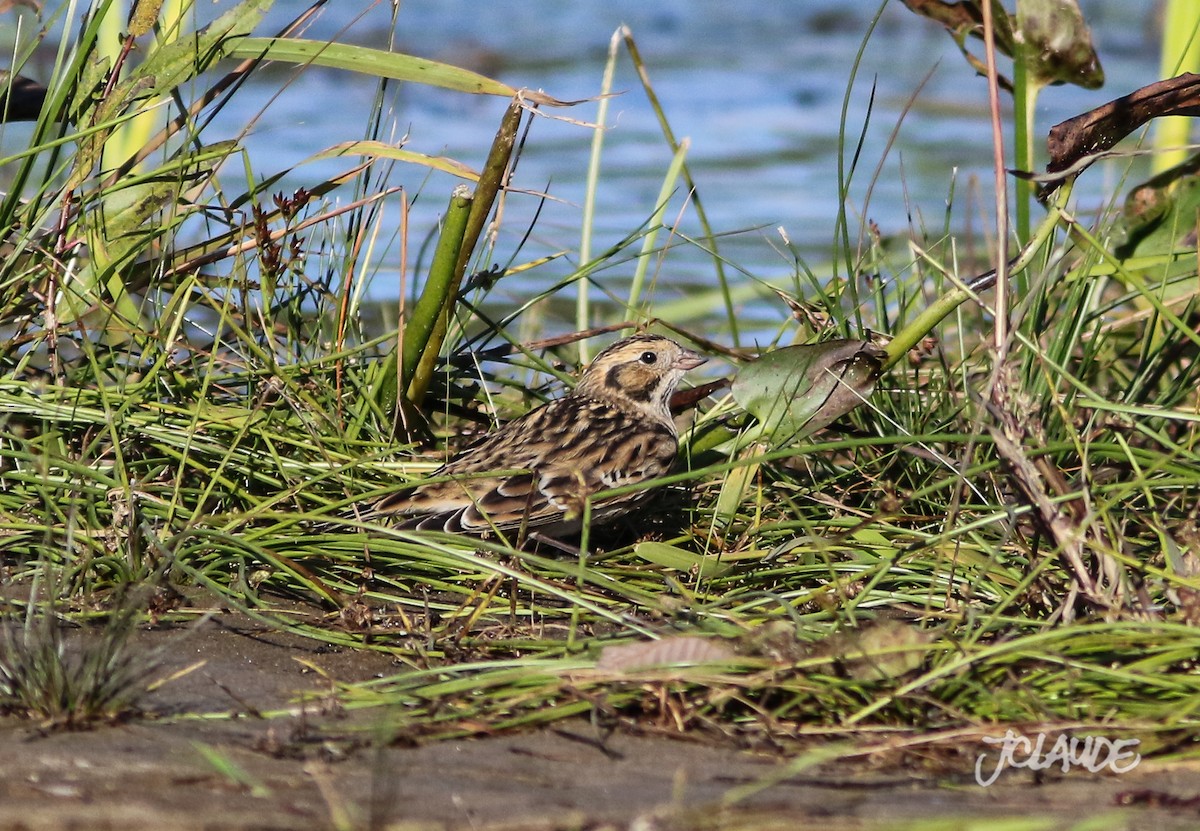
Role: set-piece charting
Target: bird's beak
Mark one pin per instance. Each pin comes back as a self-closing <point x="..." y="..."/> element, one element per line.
<point x="689" y="360"/>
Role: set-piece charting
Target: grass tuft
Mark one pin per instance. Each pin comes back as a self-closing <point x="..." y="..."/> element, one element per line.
<point x="65" y="678"/>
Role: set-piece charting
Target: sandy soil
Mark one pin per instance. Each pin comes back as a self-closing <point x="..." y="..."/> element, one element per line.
<point x="170" y="771"/>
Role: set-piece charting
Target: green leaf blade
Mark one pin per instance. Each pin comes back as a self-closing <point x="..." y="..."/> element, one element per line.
<point x="797" y="390"/>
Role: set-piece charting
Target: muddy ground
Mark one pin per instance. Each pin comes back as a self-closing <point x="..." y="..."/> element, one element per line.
<point x="169" y="770"/>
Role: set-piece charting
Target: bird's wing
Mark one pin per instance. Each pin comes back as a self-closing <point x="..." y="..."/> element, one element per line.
<point x="537" y="471"/>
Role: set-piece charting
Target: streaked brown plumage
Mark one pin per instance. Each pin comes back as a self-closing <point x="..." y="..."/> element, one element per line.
<point x="536" y="472"/>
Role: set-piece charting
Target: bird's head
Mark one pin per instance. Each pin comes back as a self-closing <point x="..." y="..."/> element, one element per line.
<point x="640" y="372"/>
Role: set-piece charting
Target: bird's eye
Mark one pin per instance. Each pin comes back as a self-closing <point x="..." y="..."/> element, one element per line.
<point x="648" y="357"/>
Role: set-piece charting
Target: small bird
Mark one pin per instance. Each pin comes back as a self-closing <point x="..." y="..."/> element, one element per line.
<point x="536" y="472"/>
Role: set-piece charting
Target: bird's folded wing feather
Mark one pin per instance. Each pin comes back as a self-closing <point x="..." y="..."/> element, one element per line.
<point x="512" y="480"/>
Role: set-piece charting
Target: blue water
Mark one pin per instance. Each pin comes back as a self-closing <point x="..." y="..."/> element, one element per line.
<point x="756" y="87"/>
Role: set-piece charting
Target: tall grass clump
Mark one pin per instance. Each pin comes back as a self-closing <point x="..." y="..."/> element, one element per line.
<point x="953" y="513"/>
<point x="62" y="676"/>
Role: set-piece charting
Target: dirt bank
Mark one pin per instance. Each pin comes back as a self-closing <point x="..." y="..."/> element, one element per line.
<point x="172" y="770"/>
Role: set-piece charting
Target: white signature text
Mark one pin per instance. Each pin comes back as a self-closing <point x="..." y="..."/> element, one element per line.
<point x="1093" y="753"/>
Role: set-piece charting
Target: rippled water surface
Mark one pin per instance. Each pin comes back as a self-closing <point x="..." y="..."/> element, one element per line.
<point x="757" y="88"/>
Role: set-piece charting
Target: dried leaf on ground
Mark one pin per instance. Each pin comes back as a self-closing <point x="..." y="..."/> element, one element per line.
<point x="684" y="649"/>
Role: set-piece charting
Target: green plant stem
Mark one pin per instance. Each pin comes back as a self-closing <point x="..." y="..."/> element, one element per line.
<point x="1025" y="95"/>
<point x="583" y="312"/>
<point x="438" y="286"/>
<point x="1180" y="53"/>
<point x="491" y="181"/>
<point x="656" y="221"/>
<point x="923" y="323"/>
<point x="710" y="236"/>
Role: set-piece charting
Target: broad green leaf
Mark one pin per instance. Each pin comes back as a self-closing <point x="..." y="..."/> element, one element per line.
<point x="122" y="224"/>
<point x="116" y="230"/>
<point x="86" y="109"/>
<point x="125" y="222"/>
<point x="136" y="209"/>
<point x="738" y="484"/>
<point x="1159" y="216"/>
<point x="383" y="150"/>
<point x="230" y="416"/>
<point x="85" y="92"/>
<point x="668" y="556"/>
<point x="797" y="390"/>
<point x="1179" y="52"/>
<point x="163" y="70"/>
<point x="1158" y="232"/>
<point x="380" y="64"/>
<point x="170" y="65"/>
